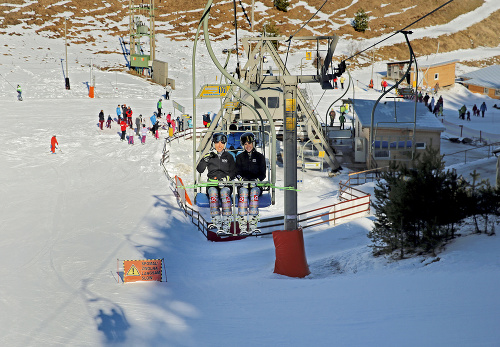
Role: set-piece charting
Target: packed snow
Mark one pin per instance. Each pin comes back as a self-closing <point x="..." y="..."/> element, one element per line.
<point x="69" y="219"/>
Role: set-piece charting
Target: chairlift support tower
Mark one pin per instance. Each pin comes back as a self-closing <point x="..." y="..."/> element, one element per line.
<point x="139" y="14"/>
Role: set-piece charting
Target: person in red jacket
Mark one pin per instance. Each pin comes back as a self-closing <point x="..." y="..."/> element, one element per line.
<point x="123" y="126"/>
<point x="53" y="143"/>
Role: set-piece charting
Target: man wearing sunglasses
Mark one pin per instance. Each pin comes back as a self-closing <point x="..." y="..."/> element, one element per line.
<point x="250" y="166"/>
<point x="221" y="167"/>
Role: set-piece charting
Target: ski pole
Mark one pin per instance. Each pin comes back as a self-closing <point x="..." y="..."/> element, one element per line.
<point x="59" y="149"/>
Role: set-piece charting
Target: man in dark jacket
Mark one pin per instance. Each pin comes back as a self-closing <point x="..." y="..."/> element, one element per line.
<point x="221" y="168"/>
<point x="101" y="119"/>
<point x="250" y="166"/>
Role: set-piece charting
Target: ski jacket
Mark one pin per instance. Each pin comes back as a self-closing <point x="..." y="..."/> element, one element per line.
<point x="123" y="125"/>
<point x="251" y="165"/>
<point x="220" y="166"/>
<point x="482" y="107"/>
<point x="144" y="131"/>
<point x="342" y="118"/>
<point x="101" y="116"/>
<point x="158" y="105"/>
<point x="53" y="142"/>
<point x="118" y="111"/>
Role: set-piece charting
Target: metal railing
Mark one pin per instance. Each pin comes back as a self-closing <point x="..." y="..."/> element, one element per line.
<point x="355" y="203"/>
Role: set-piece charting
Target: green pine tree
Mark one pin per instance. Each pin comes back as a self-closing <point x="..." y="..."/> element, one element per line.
<point x="282" y="5"/>
<point x="360" y="22"/>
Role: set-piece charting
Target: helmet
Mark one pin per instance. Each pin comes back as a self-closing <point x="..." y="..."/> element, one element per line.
<point x="247" y="137"/>
<point x="219" y="137"/>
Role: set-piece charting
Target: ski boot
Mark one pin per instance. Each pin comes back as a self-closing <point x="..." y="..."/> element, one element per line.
<point x="216" y="223"/>
<point x="242" y="221"/>
<point x="252" y="222"/>
<point x="226" y="226"/>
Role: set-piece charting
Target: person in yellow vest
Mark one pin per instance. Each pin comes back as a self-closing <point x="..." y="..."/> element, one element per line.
<point x="342" y="80"/>
<point x="342" y="110"/>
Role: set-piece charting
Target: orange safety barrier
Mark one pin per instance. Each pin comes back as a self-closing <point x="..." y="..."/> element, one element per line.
<point x="180" y="187"/>
<point x="290" y="253"/>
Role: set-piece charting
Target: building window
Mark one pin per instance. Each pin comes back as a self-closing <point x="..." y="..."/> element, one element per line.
<point x="497" y="92"/>
<point x="486" y="91"/>
<point x="256" y="104"/>
<point x="382" y="154"/>
<point x="436" y="76"/>
<point x="420" y="145"/>
<point x="273" y="102"/>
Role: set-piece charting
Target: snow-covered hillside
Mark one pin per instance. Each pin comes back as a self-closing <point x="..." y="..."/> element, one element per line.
<point x="67" y="218"/>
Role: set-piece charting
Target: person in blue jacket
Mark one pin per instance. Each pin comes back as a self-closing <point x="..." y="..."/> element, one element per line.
<point x="233" y="140"/>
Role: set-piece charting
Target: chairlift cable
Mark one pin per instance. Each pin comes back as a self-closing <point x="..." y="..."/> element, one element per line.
<point x="397" y="32"/>
<point x="302" y="27"/>
<point x="236" y="34"/>
<point x="245" y="13"/>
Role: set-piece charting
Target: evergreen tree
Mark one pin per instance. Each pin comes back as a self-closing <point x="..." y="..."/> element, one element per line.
<point x="270" y="29"/>
<point x="360" y="22"/>
<point x="282" y="5"/>
<point x="416" y="207"/>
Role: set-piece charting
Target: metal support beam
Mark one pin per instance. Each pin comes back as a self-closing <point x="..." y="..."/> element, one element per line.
<point x="290" y="147"/>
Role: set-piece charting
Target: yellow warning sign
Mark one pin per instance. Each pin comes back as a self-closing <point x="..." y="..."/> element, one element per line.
<point x="308" y="55"/>
<point x="290" y="105"/>
<point x="133" y="271"/>
<point x="142" y="270"/>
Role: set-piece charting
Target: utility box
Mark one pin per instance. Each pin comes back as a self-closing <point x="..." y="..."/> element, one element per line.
<point x="160" y="72"/>
<point x="139" y="60"/>
<point x="359" y="150"/>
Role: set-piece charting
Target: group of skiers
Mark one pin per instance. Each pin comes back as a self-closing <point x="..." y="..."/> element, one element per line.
<point x="124" y="120"/>
<point x="249" y="168"/>
<point x="462" y="111"/>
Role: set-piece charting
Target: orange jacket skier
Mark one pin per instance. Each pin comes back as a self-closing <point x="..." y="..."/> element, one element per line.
<point x="53" y="143"/>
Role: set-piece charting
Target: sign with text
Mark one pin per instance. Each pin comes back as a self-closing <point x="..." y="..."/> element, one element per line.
<point x="142" y="270"/>
<point x="231" y="104"/>
<point x="214" y="91"/>
<point x="178" y="107"/>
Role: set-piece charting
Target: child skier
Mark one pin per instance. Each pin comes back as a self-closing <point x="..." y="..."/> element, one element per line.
<point x="108" y="122"/>
<point x="131" y="137"/>
<point x="144" y="132"/>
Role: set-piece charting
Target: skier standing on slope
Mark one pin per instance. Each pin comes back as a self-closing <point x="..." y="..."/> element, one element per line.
<point x="53" y="143"/>
<point x="250" y="166"/>
<point x="19" y="93"/>
<point x="118" y="114"/>
<point x="108" y="122"/>
<point x="159" y="106"/>
<point x="221" y="168"/>
<point x="101" y="119"/>
<point x="123" y="127"/>
<point x="168" y="90"/>
<point x="144" y="132"/>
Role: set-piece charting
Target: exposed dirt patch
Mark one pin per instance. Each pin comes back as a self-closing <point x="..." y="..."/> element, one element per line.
<point x="386" y="16"/>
